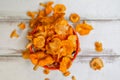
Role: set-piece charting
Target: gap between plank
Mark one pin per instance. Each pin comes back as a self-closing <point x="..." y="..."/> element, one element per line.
<point x="26" y="19"/>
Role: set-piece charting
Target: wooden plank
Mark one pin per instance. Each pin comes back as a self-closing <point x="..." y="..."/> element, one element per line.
<point x="106" y="32"/>
<point x="94" y="9"/>
<point x="22" y="70"/>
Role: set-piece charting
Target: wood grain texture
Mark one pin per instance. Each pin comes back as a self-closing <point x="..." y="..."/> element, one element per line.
<point x="106" y="32"/>
<point x="103" y="15"/>
<point x="86" y="8"/>
<point x="23" y="70"/>
<point x="16" y="68"/>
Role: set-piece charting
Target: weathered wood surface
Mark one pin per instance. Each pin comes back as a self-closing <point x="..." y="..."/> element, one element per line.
<point x="106" y="32"/>
<point x="104" y="15"/>
<point x="86" y="8"/>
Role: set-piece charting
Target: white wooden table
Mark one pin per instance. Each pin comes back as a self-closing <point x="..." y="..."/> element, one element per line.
<point x="103" y="15"/>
